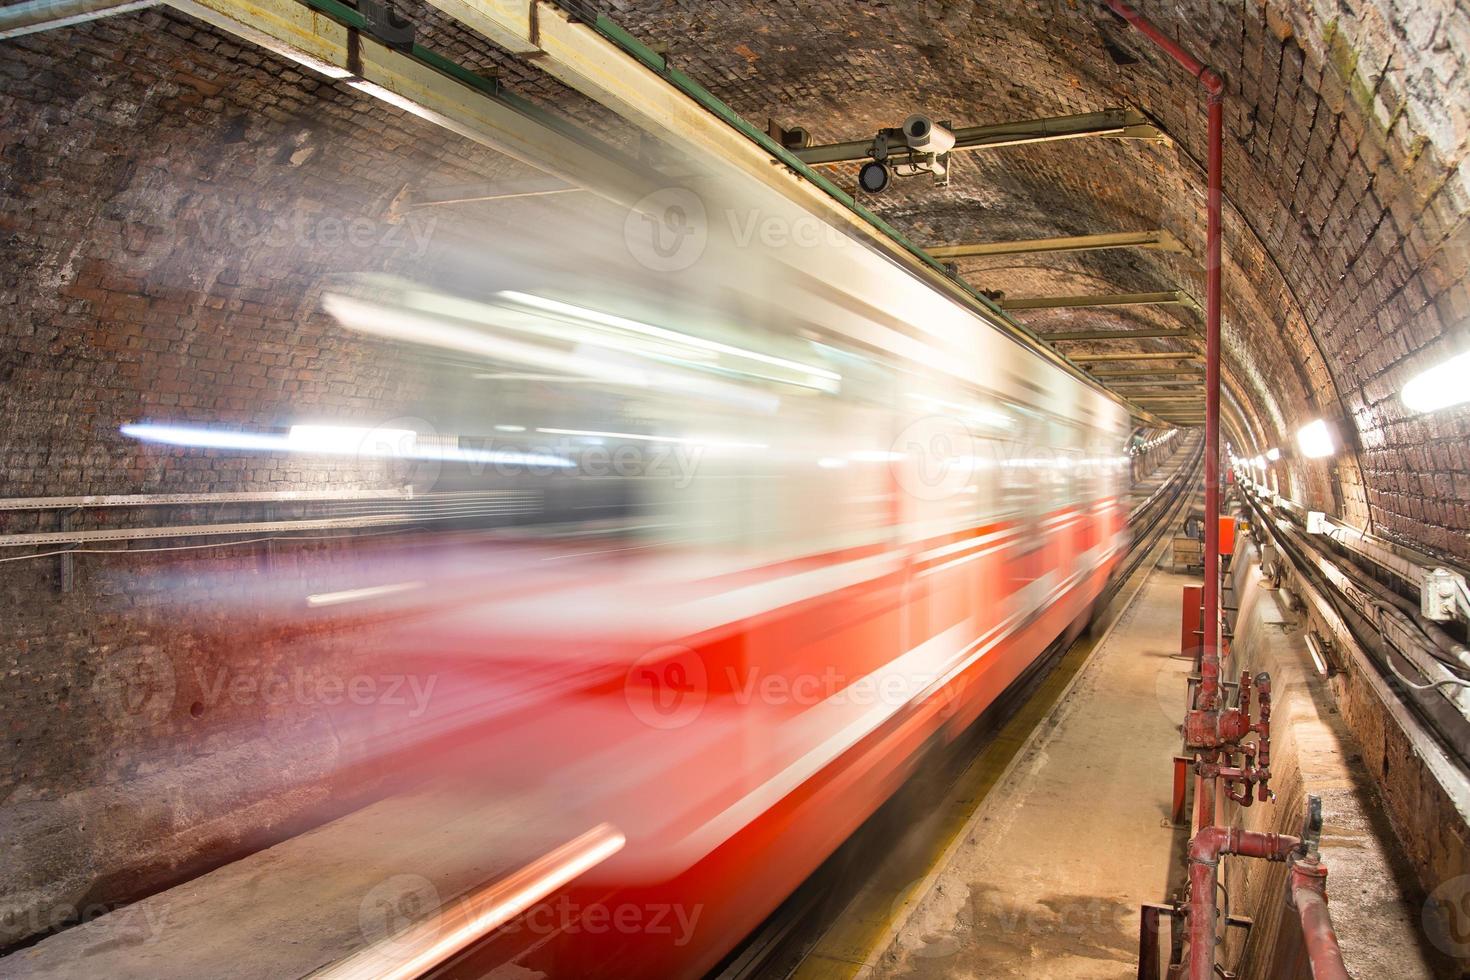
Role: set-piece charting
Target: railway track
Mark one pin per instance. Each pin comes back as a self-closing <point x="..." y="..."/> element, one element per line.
<point x="914" y="826"/>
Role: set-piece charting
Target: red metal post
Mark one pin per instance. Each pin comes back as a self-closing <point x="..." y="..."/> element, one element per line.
<point x="1206" y="725"/>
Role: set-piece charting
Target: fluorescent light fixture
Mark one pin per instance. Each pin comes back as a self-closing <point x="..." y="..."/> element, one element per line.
<point x="1439" y="387"/>
<point x="201" y="438"/>
<point x="831" y="463"/>
<point x="1273" y="454"/>
<point x="510" y="428"/>
<point x="1315" y="439"/>
<point x="1318" y="660"/>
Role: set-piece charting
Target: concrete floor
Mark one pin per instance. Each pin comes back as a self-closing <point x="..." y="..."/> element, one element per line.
<point x="1047" y="879"/>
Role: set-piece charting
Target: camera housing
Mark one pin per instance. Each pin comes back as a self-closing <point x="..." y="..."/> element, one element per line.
<point x="926" y="136"/>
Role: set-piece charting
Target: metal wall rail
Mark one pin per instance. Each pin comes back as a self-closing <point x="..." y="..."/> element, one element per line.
<point x="1440" y="584"/>
<point x="85" y="501"/>
<point x="400" y="511"/>
<point x="1420" y="672"/>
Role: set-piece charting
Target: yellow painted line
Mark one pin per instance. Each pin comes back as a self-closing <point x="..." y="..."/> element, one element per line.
<point x="875" y="912"/>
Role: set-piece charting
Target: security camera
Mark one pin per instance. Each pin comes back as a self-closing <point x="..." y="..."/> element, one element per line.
<point x="926" y="136"/>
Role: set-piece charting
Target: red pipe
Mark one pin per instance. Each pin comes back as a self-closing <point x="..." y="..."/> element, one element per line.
<point x="1204" y="861"/>
<point x="1214" y="86"/>
<point x="1309" y="895"/>
<point x="1213" y="83"/>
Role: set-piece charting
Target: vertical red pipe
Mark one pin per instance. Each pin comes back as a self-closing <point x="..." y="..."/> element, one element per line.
<point x="1210" y="655"/>
<point x="1214" y="86"/>
<point x="1205" y="849"/>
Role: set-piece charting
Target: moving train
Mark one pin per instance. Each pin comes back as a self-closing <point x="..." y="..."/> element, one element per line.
<point x="740" y="537"/>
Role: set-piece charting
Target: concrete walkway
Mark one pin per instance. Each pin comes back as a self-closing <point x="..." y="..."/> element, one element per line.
<point x="1048" y="877"/>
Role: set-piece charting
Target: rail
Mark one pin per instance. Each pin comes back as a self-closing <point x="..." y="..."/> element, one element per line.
<point x="1418" y="660"/>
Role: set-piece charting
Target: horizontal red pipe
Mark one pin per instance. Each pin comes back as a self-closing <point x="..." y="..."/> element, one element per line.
<point x="1211" y="842"/>
<point x="1205" y="849"/>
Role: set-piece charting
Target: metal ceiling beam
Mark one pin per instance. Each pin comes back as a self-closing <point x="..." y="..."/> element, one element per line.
<point x="43" y="15"/>
<point x="330" y="38"/>
<point x="1180" y="397"/>
<point x="1173" y="298"/>
<point x="1139" y="356"/>
<point x="591" y="54"/>
<point x="1149" y="334"/>
<point x="1113" y="123"/>
<point x="1146" y="371"/>
<point x="1177" y="386"/>
<point x="1159" y="240"/>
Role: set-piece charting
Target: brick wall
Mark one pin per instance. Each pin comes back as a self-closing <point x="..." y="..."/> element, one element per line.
<point x="1346" y="237"/>
<point x="172" y="203"/>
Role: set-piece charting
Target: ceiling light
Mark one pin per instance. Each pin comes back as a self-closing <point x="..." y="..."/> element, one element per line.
<point x="1315" y="439"/>
<point x="1440" y="386"/>
<point x="1273" y="454"/>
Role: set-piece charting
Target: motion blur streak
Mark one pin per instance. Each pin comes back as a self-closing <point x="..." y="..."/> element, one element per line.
<point x="334" y="441"/>
<point x="421" y="947"/>
<point x="709" y="540"/>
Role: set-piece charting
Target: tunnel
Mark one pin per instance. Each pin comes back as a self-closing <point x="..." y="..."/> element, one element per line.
<point x="883" y="488"/>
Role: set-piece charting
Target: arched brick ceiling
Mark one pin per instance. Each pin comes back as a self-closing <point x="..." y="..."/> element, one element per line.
<point x="1346" y="233"/>
<point x="1346" y="237"/>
